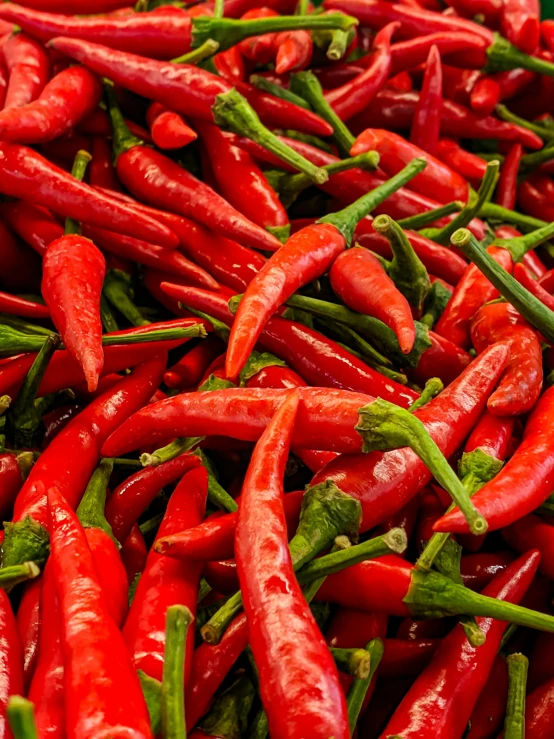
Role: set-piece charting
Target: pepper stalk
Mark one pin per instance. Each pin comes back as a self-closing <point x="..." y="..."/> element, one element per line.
<point x="21" y="717"/>
<point x="78" y="170"/>
<point x="172" y="697"/>
<point x="514" y="724"/>
<point x="358" y="690"/>
<point x="90" y="511"/>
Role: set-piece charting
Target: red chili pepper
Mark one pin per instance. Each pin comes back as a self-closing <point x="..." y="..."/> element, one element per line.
<point x="34" y="224"/>
<point x="466" y="164"/>
<point x="28" y="66"/>
<point x="533" y="198"/>
<point x="69" y="7"/>
<point x="539" y="717"/>
<point x="98" y="666"/>
<point x="21" y="307"/>
<point x="270" y="590"/>
<point x="414" y="51"/>
<point x="437" y="180"/>
<point x="28" y="626"/>
<point x="157" y="35"/>
<point x="12" y="660"/>
<point x="492" y="435"/>
<point x="306" y="255"/>
<point x="73" y="454"/>
<point x="489" y="9"/>
<point x="479" y="569"/>
<point x="73" y="275"/>
<point x="261" y="48"/>
<point x="169" y="130"/>
<point x="101" y="172"/>
<point x="385" y="482"/>
<point x="520" y="23"/>
<point x="230" y="64"/>
<point x="294" y="51"/>
<point x="190" y="369"/>
<point x="524" y="277"/>
<point x="540" y="662"/>
<point x="522" y="485"/>
<point x="437" y="259"/>
<point x="98" y="124"/>
<point x="352" y="97"/>
<point x="485" y="95"/>
<point x="395" y="110"/>
<point x="488" y="715"/>
<point x="166" y="582"/>
<point x="506" y="191"/>
<point x="186" y="89"/>
<point x="24" y="173"/>
<point x="242" y="183"/>
<point x="443" y="359"/>
<point x="134" y="553"/>
<point x="425" y="129"/>
<point x="531" y="532"/>
<point x="530" y="259"/>
<point x="360" y="281"/>
<point x="403" y="658"/>
<point x="67" y="99"/>
<point x="520" y="385"/>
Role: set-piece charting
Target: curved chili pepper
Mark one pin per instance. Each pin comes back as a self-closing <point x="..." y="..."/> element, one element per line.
<point x="28" y="66"/>
<point x="67" y="99"/>
<point x="485" y="95"/>
<point x="414" y="51"/>
<point x="492" y="435"/>
<point x="352" y="97"/>
<point x="531" y="532"/>
<point x="506" y="192"/>
<point x="522" y="274"/>
<point x="34" y="224"/>
<point x="69" y="7"/>
<point x="436" y="180"/>
<point x="261" y="48"/>
<point x="478" y="570"/>
<point x="28" y="626"/>
<point x="81" y="440"/>
<point x="425" y="129"/>
<point x="21" y="307"/>
<point x="463" y="162"/>
<point x="520" y="23"/>
<point x="306" y="255"/>
<point x="230" y="64"/>
<point x="169" y="130"/>
<point x="186" y="89"/>
<point x="165" y="582"/>
<point x="521" y="383"/>
<point x="99" y="646"/>
<point x="294" y="51"/>
<point x="156" y="35"/>
<point x="287" y="695"/>
<point x="24" y="173"/>
<point x="488" y="714"/>
<point x="73" y="274"/>
<point x="522" y="485"/>
<point x="443" y="696"/>
<point x="242" y="183"/>
<point x="190" y="369"/>
<point x="12" y="660"/>
<point x="360" y="281"/>
<point x="363" y="475"/>
<point x="134" y="553"/>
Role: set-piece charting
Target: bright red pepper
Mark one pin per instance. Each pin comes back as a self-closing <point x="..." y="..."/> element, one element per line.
<point x="294" y="51"/>
<point x="230" y="64"/>
<point x="506" y="192"/>
<point x="169" y="130"/>
<point x="93" y="705"/>
<point x="360" y="281"/>
<point x="12" y="661"/>
<point x="488" y="715"/>
<point x="69" y="7"/>
<point x="425" y="129"/>
<point x="28" y="626"/>
<point x="404" y="658"/>
<point x="24" y="173"/>
<point x="539" y="716"/>
<point x="520" y="23"/>
<point x="531" y="532"/>
<point x="463" y="162"/>
<point x="436" y="181"/>
<point x="73" y="275"/>
<point x="190" y="369"/>
<point x="414" y="51"/>
<point x="21" y="307"/>
<point x="28" y="66"/>
<point x="134" y="553"/>
<point x="66" y="100"/>
<point x="259" y="49"/>
<point x="101" y="172"/>
<point x="485" y="95"/>
<point x="166" y="582"/>
<point x="523" y="484"/>
<point x="156" y="35"/>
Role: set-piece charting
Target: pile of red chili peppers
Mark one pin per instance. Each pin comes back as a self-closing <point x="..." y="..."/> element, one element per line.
<point x="276" y="369"/>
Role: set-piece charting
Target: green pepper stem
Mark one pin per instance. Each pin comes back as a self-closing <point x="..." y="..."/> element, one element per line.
<point x="172" y="698"/>
<point x="346" y="220"/>
<point x="384" y="426"/>
<point x="117" y="289"/>
<point x="14" y="574"/>
<point x="205" y="51"/>
<point x="168" y="452"/>
<point x="492" y="211"/>
<point x="24" y="541"/>
<point x="258" y="361"/>
<point x="82" y="159"/>
<point x="506" y="115"/>
<point x="107" y="316"/>
<point x="152" y="525"/>
<point x="308" y="86"/>
<point x="162" y="334"/>
<point x="503" y="56"/>
<point x="530" y="307"/>
<point x="520" y="245"/>
<point x="229" y="31"/>
<point x="420" y="220"/>
<point x="432" y="388"/>
<point x="535" y="159"/>
<point x="354" y="662"/>
<point x="406" y="269"/>
<point x="91" y="508"/>
<point x="232" y="112"/>
<point x="259" y="728"/>
<point x="340" y="41"/>
<point x="151" y="689"/>
<point x="514" y="723"/>
<point x="123" y="139"/>
<point x="216" y="494"/>
<point x="432" y="595"/>
<point x="470" y="211"/>
<point x="262" y="83"/>
<point x="436" y="301"/>
<point x="21" y="717"/>
<point x="358" y="690"/>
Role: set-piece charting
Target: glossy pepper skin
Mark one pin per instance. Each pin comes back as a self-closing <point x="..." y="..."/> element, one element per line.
<point x="11" y="655"/>
<point x="166" y="582"/>
<point x="539" y="720"/>
<point x="169" y="130"/>
<point x="91" y="640"/>
<point x="241" y="181"/>
<point x="28" y="627"/>
<point x="72" y="280"/>
<point x="11" y="482"/>
<point x="507" y="182"/>
<point x="520" y="23"/>
<point x="443" y="696"/>
<point x="64" y="102"/>
<point x="303" y="696"/>
<point x="24" y="173"/>
<point x="521" y="384"/>
<point x="425" y="128"/>
<point x="73" y="454"/>
<point x="523" y="484"/>
<point x="156" y="35"/>
<point x="184" y="88"/>
<point x="28" y="66"/>
<point x="360" y="281"/>
<point x="533" y="532"/>
<point x="385" y="481"/>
